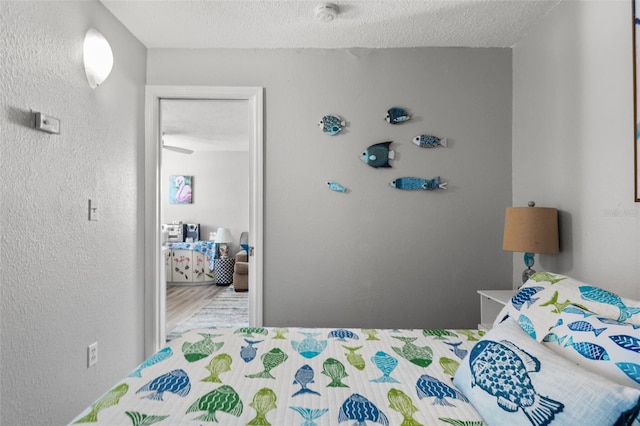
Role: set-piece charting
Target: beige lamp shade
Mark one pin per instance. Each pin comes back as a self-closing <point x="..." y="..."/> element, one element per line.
<point x="531" y="230"/>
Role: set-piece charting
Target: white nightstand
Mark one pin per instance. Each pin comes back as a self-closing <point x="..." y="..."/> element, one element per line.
<point x="491" y="303"/>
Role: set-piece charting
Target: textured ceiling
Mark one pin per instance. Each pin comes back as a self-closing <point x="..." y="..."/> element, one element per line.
<point x="360" y="23"/>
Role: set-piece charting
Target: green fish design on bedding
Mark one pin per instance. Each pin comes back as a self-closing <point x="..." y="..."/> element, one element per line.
<point x="263" y="401"/>
<point x="201" y="349"/>
<point x="402" y="403"/>
<point x="218" y="365"/>
<point x="439" y="334"/>
<point x="139" y="419"/>
<point x="224" y="399"/>
<point x="541" y="277"/>
<point x="335" y="370"/>
<point x="421" y="356"/>
<point x="554" y="302"/>
<point x="109" y="399"/>
<point x="354" y="358"/>
<point x="270" y="360"/>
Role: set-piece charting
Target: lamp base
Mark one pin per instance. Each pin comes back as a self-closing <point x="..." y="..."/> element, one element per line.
<point x="526" y="274"/>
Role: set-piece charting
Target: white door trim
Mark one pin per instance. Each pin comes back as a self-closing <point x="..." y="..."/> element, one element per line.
<point x="154" y="333"/>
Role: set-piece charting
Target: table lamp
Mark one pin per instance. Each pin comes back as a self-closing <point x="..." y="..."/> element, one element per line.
<point x="223" y="237"/>
<point x="531" y="230"/>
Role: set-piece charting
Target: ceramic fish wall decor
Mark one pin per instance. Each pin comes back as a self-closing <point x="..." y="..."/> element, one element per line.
<point x="413" y="183"/>
<point x="397" y="115"/>
<point x="428" y="141"/>
<point x="378" y="155"/>
<point x="334" y="186"/>
<point x="332" y="124"/>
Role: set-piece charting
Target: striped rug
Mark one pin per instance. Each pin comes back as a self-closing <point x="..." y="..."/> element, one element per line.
<point x="228" y="309"/>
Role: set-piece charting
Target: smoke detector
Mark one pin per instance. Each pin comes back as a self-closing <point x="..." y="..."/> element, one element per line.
<point x="326" y="12"/>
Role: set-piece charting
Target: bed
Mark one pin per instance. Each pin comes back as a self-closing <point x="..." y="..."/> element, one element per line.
<point x="539" y="365"/>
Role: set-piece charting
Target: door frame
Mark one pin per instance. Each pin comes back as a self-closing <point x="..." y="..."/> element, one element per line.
<point x="154" y="307"/>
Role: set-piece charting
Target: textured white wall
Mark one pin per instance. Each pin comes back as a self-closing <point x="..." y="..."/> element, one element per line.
<point x="375" y="257"/>
<point x="220" y="191"/>
<point x="67" y="282"/>
<point x="573" y="136"/>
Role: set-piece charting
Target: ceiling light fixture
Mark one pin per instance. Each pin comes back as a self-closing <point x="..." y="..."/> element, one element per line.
<point x="326" y="12"/>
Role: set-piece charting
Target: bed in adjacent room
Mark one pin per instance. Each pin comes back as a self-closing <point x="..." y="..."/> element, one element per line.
<point x="540" y="364"/>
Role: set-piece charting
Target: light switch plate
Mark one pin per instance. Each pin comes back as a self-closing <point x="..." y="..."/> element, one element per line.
<point x="47" y="123"/>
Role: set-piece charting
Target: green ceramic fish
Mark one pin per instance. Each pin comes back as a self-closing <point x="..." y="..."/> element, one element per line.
<point x="218" y="365"/>
<point x="139" y="419"/>
<point x="355" y="359"/>
<point x="439" y="334"/>
<point x="455" y="422"/>
<point x="449" y="366"/>
<point x="558" y="306"/>
<point x="201" y="349"/>
<point x="270" y="360"/>
<point x="336" y="371"/>
<point x="263" y="402"/>
<point x="224" y="399"/>
<point x="400" y="402"/>
<point x="250" y="331"/>
<point x="371" y="333"/>
<point x="545" y="277"/>
<point x="421" y="356"/>
<point x="469" y="334"/>
<point x="109" y="399"/>
<point x="280" y="333"/>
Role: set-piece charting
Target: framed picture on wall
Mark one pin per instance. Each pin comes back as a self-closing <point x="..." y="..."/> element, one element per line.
<point x="180" y="189"/>
<point x="636" y="47"/>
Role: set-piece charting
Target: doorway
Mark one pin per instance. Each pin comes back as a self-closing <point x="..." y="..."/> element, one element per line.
<point x="154" y="259"/>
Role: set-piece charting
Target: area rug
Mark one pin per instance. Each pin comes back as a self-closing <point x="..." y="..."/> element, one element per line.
<point x="227" y="309"/>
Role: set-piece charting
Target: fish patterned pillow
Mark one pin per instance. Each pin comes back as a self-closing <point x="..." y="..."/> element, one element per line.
<point x="599" y="344"/>
<point x="538" y="304"/>
<point x="512" y="379"/>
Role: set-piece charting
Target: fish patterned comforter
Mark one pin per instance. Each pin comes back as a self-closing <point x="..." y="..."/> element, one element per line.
<point x="295" y="376"/>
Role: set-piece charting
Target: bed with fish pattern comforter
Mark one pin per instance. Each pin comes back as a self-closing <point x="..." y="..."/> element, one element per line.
<point x="295" y="376"/>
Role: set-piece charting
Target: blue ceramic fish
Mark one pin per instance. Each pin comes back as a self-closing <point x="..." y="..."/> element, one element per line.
<point x="334" y="186"/>
<point x="331" y="124"/>
<point x="585" y="326"/>
<point x="378" y="155"/>
<point x="502" y="370"/>
<point x="309" y="347"/>
<point x="428" y="386"/>
<point x="413" y="183"/>
<point x="597" y="294"/>
<point x="588" y="350"/>
<point x="156" y="358"/>
<point x="303" y="377"/>
<point x="386" y="363"/>
<point x="525" y="296"/>
<point x="526" y="324"/>
<point x="310" y="414"/>
<point x="360" y="409"/>
<point x="248" y="353"/>
<point x="460" y="353"/>
<point x="175" y="381"/>
<point x="428" y="141"/>
<point x="341" y="334"/>
<point x="397" y="115"/>
<point x="631" y="369"/>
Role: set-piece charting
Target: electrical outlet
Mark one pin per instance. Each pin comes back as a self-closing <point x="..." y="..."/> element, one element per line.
<point x="92" y="354"/>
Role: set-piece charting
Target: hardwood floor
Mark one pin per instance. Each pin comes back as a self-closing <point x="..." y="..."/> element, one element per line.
<point x="182" y="301"/>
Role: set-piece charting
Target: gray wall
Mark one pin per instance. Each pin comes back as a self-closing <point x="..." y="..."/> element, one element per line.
<point x="375" y="257"/>
<point x="220" y="191"/>
<point x="573" y="136"/>
<point x="67" y="282"/>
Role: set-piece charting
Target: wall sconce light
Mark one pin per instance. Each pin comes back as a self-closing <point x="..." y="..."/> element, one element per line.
<point x="98" y="58"/>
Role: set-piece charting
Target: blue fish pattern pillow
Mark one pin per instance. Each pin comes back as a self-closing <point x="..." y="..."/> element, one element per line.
<point x="602" y="345"/>
<point x="512" y="379"/>
<point x="538" y="304"/>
